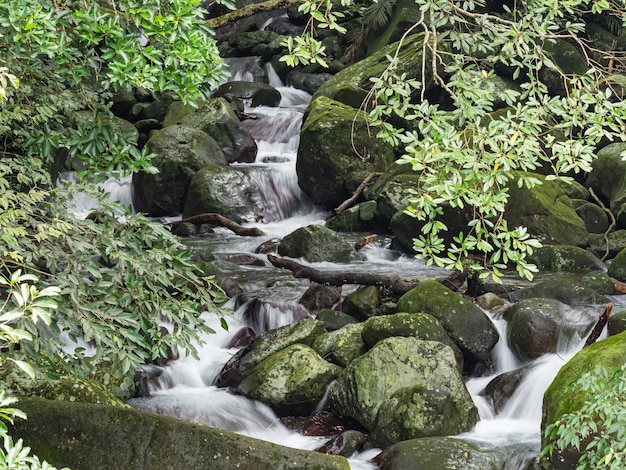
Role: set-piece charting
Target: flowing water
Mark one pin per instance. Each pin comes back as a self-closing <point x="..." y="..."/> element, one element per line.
<point x="185" y="388"/>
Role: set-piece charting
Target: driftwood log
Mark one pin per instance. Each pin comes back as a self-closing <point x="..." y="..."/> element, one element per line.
<point x="217" y="219"/>
<point x="394" y="285"/>
<point x="597" y="330"/>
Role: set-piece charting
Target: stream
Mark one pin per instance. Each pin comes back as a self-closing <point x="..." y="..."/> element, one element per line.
<point x="185" y="387"/>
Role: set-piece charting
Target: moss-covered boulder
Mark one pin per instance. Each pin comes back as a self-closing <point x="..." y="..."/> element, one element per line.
<point x="568" y="289"/>
<point x="180" y="152"/>
<point x="595" y="218"/>
<point x="565" y="258"/>
<point x="436" y="453"/>
<point x="294" y="376"/>
<point x="85" y="436"/>
<point x="617" y="323"/>
<point x="616" y="242"/>
<point x="328" y="168"/>
<point x="362" y="303"/>
<point x="417" y="325"/>
<point x="334" y="319"/>
<point x="317" y="243"/>
<point x="341" y="346"/>
<point x="358" y="218"/>
<point x="534" y="326"/>
<point x="273" y="341"/>
<point x="216" y="118"/>
<point x="546" y="211"/>
<point x="395" y="364"/>
<point x="259" y="94"/>
<point x="617" y="268"/>
<point x="559" y="399"/>
<point x="224" y="190"/>
<point x="607" y="178"/>
<point x="465" y="322"/>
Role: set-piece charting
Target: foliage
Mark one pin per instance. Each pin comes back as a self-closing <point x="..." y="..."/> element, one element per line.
<point x="599" y="426"/>
<point x="28" y="305"/>
<point x="378" y="14"/>
<point x="466" y="155"/>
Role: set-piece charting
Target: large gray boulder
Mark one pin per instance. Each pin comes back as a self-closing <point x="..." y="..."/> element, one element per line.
<point x="86" y="437"/>
<point x="411" y="373"/>
<point x="216" y="118"/>
<point x="225" y="190"/>
<point x="316" y="243"/>
<point x="467" y="325"/>
<point x="328" y="168"/>
<point x="180" y="152"/>
<point x="294" y="376"/>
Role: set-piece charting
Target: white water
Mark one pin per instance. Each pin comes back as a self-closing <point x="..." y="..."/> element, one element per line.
<point x="185" y="388"/>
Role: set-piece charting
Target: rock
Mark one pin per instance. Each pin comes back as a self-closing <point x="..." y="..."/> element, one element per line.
<point x="308" y="82"/>
<point x="358" y="218"/>
<point x="466" y="324"/>
<point x="328" y="168"/>
<point x="341" y="346"/>
<point x="617" y="267"/>
<point x="598" y="243"/>
<point x="435" y="453"/>
<point x="273" y="341"/>
<point x="216" y="118"/>
<point x="565" y="258"/>
<point x="320" y="296"/>
<point x="416" y="325"/>
<point x="333" y="319"/>
<point x="607" y="178"/>
<point x="322" y="424"/>
<point x="249" y="40"/>
<point x="560" y="399"/>
<point x="567" y="289"/>
<point x="534" y="326"/>
<point x="111" y="438"/>
<point x="489" y="301"/>
<point x="617" y="323"/>
<point x="260" y="94"/>
<point x="346" y="444"/>
<point x="316" y="243"/>
<point x="502" y="387"/>
<point x="392" y="365"/>
<point x="179" y="153"/>
<point x="225" y="190"/>
<point x="546" y="212"/>
<point x="568" y="59"/>
<point x="596" y="220"/>
<point x="362" y="303"/>
<point x="294" y="376"/>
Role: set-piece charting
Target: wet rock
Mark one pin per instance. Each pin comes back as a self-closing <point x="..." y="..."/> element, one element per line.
<point x="242" y="338"/>
<point x="294" y="376"/>
<point x="346" y="444"/>
<point x="502" y="387"/>
<point x="489" y="301"/>
<point x="260" y="94"/>
<point x="617" y="268"/>
<point x="358" y="218"/>
<point x="333" y="319"/>
<point x="308" y="82"/>
<point x="316" y="243"/>
<point x="466" y="324"/>
<point x="362" y="303"/>
<point x="265" y="314"/>
<point x="565" y="258"/>
<point x="617" y="323"/>
<point x="322" y="424"/>
<point x="381" y="374"/>
<point x="269" y="246"/>
<point x="598" y="244"/>
<point x="341" y="346"/>
<point x="607" y="178"/>
<point x="596" y="220"/>
<point x="320" y="296"/>
<point x="567" y="289"/>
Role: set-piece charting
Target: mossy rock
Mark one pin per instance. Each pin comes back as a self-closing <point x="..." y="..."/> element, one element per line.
<point x="617" y="267"/>
<point x="571" y="290"/>
<point x="617" y="323"/>
<point x="607" y="178"/>
<point x="595" y="218"/>
<point x="565" y="258"/>
<point x="317" y="243"/>
<point x="598" y="243"/>
<point x="358" y="218"/>
<point x="333" y="319"/>
<point x="341" y="346"/>
<point x="362" y="303"/>
<point x="86" y="436"/>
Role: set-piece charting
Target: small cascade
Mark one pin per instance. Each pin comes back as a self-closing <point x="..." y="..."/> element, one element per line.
<point x="117" y="189"/>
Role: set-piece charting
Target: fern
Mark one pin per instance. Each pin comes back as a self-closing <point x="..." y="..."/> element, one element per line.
<point x="378" y="14"/>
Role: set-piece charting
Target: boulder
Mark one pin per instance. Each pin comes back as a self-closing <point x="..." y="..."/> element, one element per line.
<point x="333" y="319"/>
<point x="569" y="290"/>
<point x="565" y="258"/>
<point x="595" y="218"/>
<point x="393" y="365"/>
<point x="260" y="94"/>
<point x="216" y="118"/>
<point x="607" y="178"/>
<point x="560" y="399"/>
<point x="435" y="453"/>
<point x="502" y="387"/>
<point x="546" y="212"/>
<point x="341" y="346"/>
<point x="225" y="190"/>
<point x="617" y="268"/>
<point x="316" y="243"/>
<point x="308" y="82"/>
<point x="534" y="326"/>
<point x="616" y="242"/>
<point x="617" y="323"/>
<point x="358" y="218"/>
<point x="466" y="324"/>
<point x="179" y="152"/>
<point x="362" y="303"/>
<point x="346" y="443"/>
<point x="328" y="168"/>
<point x="320" y="296"/>
<point x="294" y="376"/>
<point x="86" y="436"/>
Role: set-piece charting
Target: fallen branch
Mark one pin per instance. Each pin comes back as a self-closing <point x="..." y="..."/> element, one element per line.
<point x="394" y="285"/>
<point x="217" y="219"/>
<point x="595" y="333"/>
<point x="355" y="195"/>
<point x="249" y="10"/>
<point x="366" y="240"/>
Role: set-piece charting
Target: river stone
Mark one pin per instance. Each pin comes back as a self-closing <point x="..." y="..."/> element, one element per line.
<point x="216" y="118"/>
<point x="417" y="325"/>
<point x="308" y="82"/>
<point x="394" y="364"/>
<point x="358" y="218"/>
<point x="607" y="178"/>
<point x="316" y="243"/>
<point x="466" y="324"/>
<point x="333" y="319"/>
<point x="560" y="399"/>
<point x="296" y="375"/>
<point x="534" y="326"/>
<point x="566" y="289"/>
<point x="565" y="258"/>
<point x="362" y="303"/>
<point x="272" y="341"/>
<point x="329" y="170"/>
<point x="617" y="267"/>
<point x="179" y="153"/>
<point x="224" y="190"/>
<point x="502" y="387"/>
<point x="320" y="296"/>
<point x="436" y="453"/>
<point x="346" y="443"/>
<point x="616" y="323"/>
<point x="261" y="94"/>
<point x="86" y="437"/>
<point x="546" y="212"/>
<point x="595" y="218"/>
<point x="341" y="346"/>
